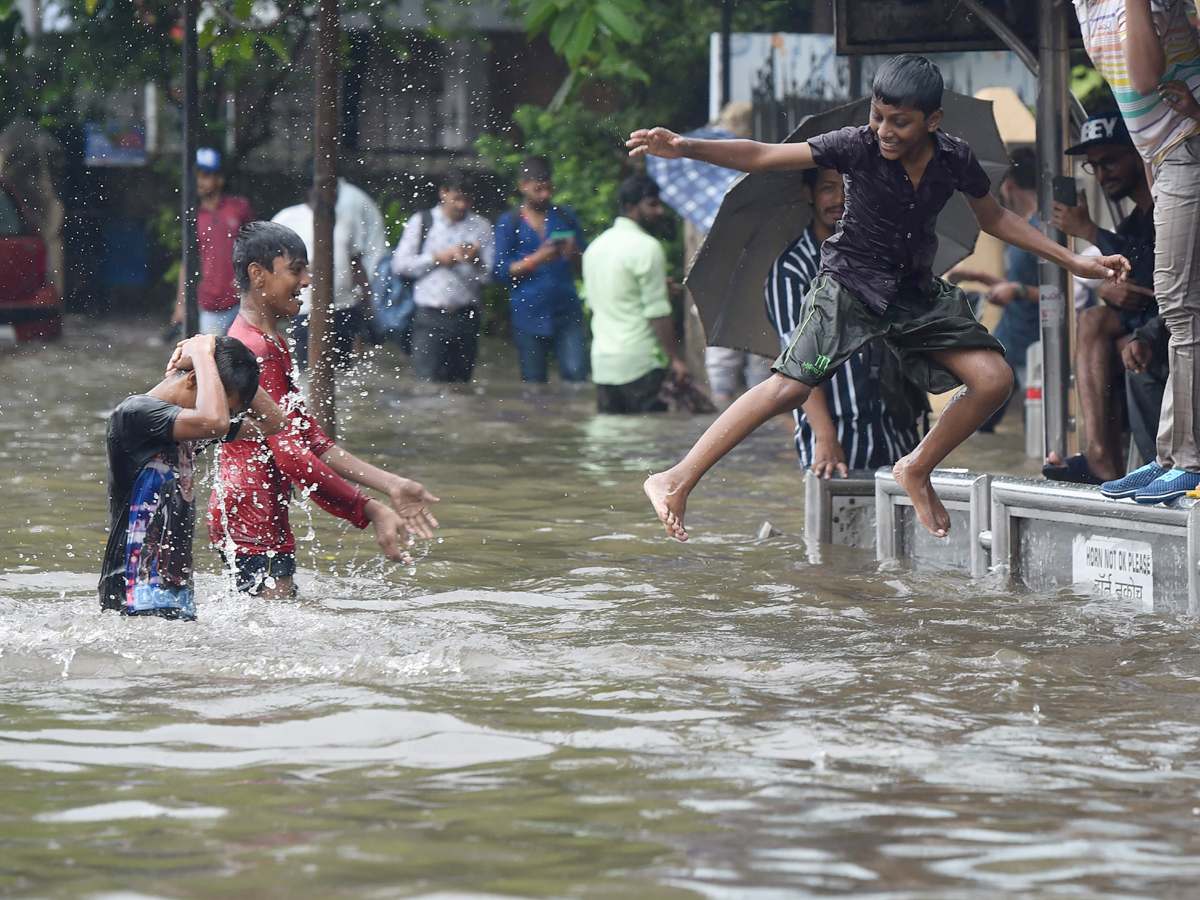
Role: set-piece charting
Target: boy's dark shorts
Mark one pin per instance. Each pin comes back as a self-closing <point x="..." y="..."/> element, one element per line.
<point x="254" y="569"/>
<point x="835" y="324"/>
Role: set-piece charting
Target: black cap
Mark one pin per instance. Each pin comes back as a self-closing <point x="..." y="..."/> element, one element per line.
<point x="1101" y="128"/>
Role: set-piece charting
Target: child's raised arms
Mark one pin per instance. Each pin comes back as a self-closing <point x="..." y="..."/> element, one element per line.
<point x="745" y="156"/>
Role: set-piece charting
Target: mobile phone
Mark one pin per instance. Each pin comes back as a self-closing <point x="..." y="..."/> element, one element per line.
<point x="1065" y="191"/>
<point x="560" y="236"/>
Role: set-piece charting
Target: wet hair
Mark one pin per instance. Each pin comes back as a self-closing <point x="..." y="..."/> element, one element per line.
<point x="810" y="177"/>
<point x="635" y="189"/>
<point x="535" y="168"/>
<point x="1024" y="170"/>
<point x="458" y="180"/>
<point x="910" y="81"/>
<point x="263" y="243"/>
<point x="237" y="368"/>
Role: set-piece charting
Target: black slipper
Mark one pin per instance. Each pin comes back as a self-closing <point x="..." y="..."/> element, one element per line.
<point x="1076" y="471"/>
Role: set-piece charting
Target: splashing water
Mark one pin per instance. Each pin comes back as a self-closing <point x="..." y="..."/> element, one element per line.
<point x="555" y="700"/>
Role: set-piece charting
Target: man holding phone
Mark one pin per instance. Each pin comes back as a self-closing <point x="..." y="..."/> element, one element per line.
<point x="539" y="248"/>
<point x="1125" y="333"/>
<point x="448" y="254"/>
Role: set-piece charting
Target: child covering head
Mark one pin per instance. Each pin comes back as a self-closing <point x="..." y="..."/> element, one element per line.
<point x="152" y="439"/>
<point x="875" y="279"/>
<point x="248" y="513"/>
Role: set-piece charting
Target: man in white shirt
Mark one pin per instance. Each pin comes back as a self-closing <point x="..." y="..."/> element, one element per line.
<point x="358" y="243"/>
<point x="448" y="253"/>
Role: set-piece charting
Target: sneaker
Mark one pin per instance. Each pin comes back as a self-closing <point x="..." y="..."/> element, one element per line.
<point x="1133" y="482"/>
<point x="1169" y="486"/>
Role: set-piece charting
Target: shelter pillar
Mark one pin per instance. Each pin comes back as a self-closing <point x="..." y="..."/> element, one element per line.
<point x="1056" y="296"/>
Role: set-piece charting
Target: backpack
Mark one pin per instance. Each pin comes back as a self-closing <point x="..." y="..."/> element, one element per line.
<point x="392" y="303"/>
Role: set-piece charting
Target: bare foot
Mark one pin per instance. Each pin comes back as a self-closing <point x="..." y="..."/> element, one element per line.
<point x="924" y="499"/>
<point x="669" y="500"/>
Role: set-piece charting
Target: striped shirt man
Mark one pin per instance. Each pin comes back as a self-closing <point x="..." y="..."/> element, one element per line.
<point x="869" y="433"/>
<point x="1155" y="127"/>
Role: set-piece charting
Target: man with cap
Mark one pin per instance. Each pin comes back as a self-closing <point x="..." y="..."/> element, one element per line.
<point x="1125" y="331"/>
<point x="218" y="221"/>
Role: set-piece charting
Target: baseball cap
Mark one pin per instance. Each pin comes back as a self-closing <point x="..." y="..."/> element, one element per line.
<point x="1101" y="128"/>
<point x="208" y="159"/>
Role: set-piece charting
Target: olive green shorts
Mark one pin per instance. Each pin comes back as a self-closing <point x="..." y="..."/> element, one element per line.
<point x="835" y="324"/>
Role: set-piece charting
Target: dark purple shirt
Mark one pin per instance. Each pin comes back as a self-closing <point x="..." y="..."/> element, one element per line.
<point x="885" y="240"/>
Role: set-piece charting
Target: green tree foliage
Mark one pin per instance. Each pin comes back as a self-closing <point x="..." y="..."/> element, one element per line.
<point x="584" y="149"/>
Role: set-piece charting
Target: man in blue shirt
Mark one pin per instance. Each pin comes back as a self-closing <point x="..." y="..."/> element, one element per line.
<point x="538" y="250"/>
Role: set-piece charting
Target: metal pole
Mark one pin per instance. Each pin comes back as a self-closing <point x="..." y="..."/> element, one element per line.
<point x="726" y="31"/>
<point x="191" y="126"/>
<point x="1056" y="301"/>
<point x="320" y="321"/>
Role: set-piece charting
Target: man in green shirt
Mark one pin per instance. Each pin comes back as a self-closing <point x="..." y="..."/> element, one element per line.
<point x="633" y="331"/>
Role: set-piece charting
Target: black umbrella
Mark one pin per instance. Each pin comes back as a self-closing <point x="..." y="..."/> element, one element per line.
<point x="763" y="213"/>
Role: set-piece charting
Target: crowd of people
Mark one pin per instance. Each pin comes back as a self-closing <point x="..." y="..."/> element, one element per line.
<point x="866" y="329"/>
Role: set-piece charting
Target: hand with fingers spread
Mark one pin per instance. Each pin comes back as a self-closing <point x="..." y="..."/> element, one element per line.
<point x="1177" y="95"/>
<point x="389" y="531"/>
<point x="410" y="500"/>
<point x="656" y="142"/>
<point x="829" y="460"/>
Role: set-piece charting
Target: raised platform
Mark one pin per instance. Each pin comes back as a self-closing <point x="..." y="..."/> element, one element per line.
<point x="1043" y="534"/>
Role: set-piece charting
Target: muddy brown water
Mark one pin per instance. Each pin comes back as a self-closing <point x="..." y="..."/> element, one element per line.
<point x="555" y="701"/>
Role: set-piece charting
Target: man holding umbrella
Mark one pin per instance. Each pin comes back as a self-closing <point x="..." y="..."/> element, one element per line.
<point x="875" y="279"/>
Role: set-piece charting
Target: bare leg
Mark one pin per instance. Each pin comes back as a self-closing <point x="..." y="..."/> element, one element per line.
<point x="281" y="591"/>
<point x="987" y="381"/>
<point x="1099" y="373"/>
<point x="669" y="490"/>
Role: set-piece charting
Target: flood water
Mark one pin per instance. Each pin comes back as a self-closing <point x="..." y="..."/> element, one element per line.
<point x="555" y="701"/>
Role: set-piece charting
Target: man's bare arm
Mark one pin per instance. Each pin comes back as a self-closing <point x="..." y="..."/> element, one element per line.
<point x="408" y="497"/>
<point x="1145" y="59"/>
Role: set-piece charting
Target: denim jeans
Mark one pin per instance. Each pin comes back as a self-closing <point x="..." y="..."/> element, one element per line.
<point x="568" y="342"/>
<point x="217" y="322"/>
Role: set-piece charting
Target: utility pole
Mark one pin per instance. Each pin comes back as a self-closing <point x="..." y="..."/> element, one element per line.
<point x="191" y="125"/>
<point x="1056" y="300"/>
<point x="325" y="153"/>
<point x="726" y="53"/>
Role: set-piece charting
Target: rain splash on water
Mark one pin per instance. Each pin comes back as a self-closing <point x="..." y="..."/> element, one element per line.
<point x="554" y="700"/>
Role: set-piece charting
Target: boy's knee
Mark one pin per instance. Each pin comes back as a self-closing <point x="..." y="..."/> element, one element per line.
<point x="787" y="392"/>
<point x="997" y="379"/>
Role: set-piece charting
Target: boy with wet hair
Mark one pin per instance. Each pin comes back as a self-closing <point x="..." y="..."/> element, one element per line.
<point x="152" y="440"/>
<point x="248" y="513"/>
<point x="875" y="280"/>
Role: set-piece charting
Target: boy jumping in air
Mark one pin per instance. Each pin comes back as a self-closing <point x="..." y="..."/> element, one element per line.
<point x="248" y="512"/>
<point x="875" y="279"/>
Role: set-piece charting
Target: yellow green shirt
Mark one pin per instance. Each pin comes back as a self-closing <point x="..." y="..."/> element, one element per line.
<point x="625" y="277"/>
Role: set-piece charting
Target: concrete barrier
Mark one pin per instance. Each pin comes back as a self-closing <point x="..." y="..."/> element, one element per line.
<point x="899" y="535"/>
<point x="840" y="510"/>
<point x="1049" y="535"/>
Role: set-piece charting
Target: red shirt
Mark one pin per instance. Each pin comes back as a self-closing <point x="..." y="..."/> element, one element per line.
<point x="217" y="230"/>
<point x="250" y="503"/>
